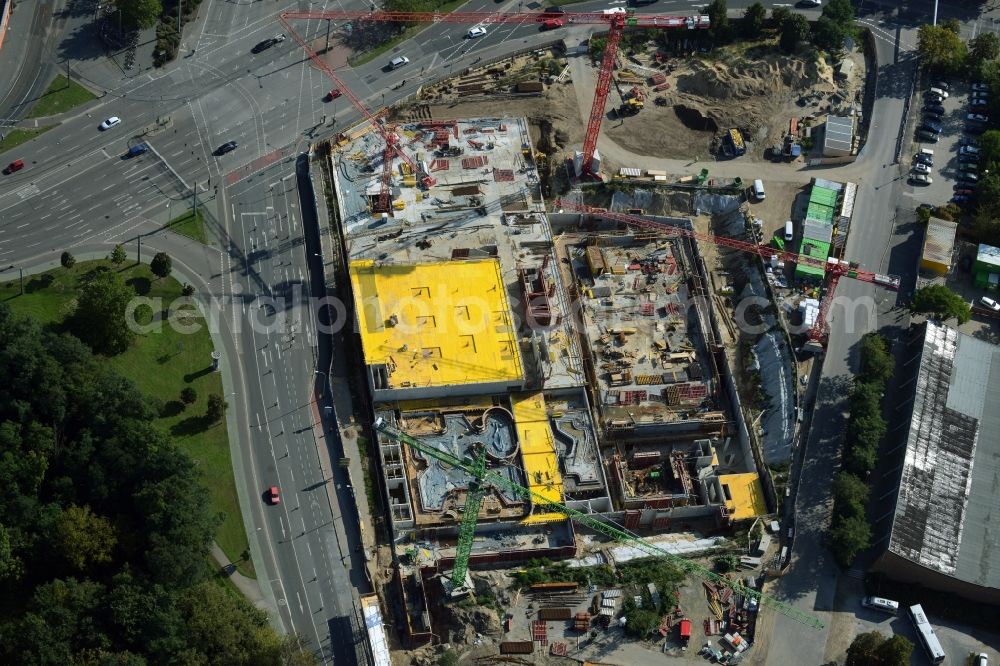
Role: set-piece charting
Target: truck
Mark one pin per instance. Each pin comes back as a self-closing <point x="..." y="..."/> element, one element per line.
<point x="733" y="143"/>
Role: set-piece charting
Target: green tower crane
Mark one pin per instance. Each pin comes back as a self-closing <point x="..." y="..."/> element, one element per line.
<point x="477" y="469"/>
<point x="467" y="530"/>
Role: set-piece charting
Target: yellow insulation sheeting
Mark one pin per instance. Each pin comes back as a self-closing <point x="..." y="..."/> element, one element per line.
<point x="538" y="451"/>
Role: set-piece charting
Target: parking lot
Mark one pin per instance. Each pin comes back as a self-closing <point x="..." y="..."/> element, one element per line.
<point x="954" y="127"/>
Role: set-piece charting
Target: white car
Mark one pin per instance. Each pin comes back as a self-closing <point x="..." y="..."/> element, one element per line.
<point x="977" y="117"/>
<point x="811" y="3"/>
<point x="921" y="168"/>
<point x="921" y="179"/>
<point x="478" y="31"/>
<point x="989" y="303"/>
<point x="110" y="122"/>
<point x="398" y="62"/>
<point x="969" y="150"/>
<point x="980" y="87"/>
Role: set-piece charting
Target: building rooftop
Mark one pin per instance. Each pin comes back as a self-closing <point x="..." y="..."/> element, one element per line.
<point x="744" y="495"/>
<point x="376" y="630"/>
<point x="436" y="324"/>
<point x="988" y="255"/>
<point x="945" y="516"/>
<point x="839" y="133"/>
<point x="939" y="244"/>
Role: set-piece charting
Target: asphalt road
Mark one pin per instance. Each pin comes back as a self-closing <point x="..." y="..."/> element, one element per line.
<point x="77" y="192"/>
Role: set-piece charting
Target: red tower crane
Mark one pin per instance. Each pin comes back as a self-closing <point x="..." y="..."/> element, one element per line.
<point x="833" y="268"/>
<point x="391" y="139"/>
<point x="616" y="20"/>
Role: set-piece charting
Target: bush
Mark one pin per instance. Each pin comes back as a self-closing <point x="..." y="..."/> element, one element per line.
<point x="216" y="408"/>
<point x="67" y="260"/>
<point x="725" y="563"/>
<point x="189" y="396"/>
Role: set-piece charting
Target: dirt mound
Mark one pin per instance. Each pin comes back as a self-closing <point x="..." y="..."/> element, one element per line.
<point x="767" y="77"/>
<point x="465" y="623"/>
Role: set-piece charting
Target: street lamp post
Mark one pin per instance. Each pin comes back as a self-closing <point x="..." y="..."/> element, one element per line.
<point x="20" y="272"/>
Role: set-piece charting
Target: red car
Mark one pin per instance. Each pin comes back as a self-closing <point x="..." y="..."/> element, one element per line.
<point x="272" y="495"/>
<point x="16" y="165"/>
<point x="964" y="192"/>
<point x="551" y="24"/>
<point x="333" y="94"/>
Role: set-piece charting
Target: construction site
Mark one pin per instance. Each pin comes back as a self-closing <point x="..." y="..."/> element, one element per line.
<point x="555" y="387"/>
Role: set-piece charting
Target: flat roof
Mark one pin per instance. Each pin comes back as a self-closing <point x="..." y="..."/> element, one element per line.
<point x="817" y="250"/>
<point x="746" y="497"/>
<point x="988" y="254"/>
<point x="376" y="630"/>
<point x="945" y="516"/>
<point x="436" y="323"/>
<point x="939" y="244"/>
<point x="839" y="132"/>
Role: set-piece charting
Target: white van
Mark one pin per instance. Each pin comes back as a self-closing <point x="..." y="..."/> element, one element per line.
<point x="927" y="152"/>
<point x="880" y="604"/>
<point x="789" y="230"/>
<point x="758" y="190"/>
<point x="940" y="93"/>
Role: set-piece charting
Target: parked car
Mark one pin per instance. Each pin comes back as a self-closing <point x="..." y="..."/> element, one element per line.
<point x="964" y="193"/>
<point x="932" y="98"/>
<point x="110" y="122"/>
<point x="931" y="126"/>
<point x="810" y="3"/>
<point x="934" y="108"/>
<point x="969" y="141"/>
<point x="960" y="199"/>
<point x="982" y="659"/>
<point x="16" y="165"/>
<point x="921" y="168"/>
<point x="989" y="303"/>
<point x="924" y="159"/>
<point x="975" y="128"/>
<point x="553" y="12"/>
<point x="977" y="118"/>
<point x="921" y="179"/>
<point x="477" y="31"/>
<point x="943" y="85"/>
<point x="968" y="159"/>
<point x="968" y="176"/>
<point x="979" y="108"/>
<point x="929" y="137"/>
<point x="958" y="187"/>
<point x="981" y="87"/>
<point x="273" y="496"/>
<point x="932" y="118"/>
<point x="968" y="147"/>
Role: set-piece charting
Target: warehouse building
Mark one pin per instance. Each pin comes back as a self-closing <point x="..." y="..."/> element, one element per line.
<point x="945" y="531"/>
<point x="838" y="137"/>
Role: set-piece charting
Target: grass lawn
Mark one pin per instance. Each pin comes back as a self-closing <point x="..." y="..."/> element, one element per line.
<point x="359" y="59"/>
<point x="190" y="225"/>
<point x="161" y="363"/>
<point x="16" y="137"/>
<point x="61" y="95"/>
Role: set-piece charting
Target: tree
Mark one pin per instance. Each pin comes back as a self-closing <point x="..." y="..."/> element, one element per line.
<point x="188" y="290"/>
<point x="794" y="31"/>
<point x="863" y="649"/>
<point x="161" y="264"/>
<point x="941" y="49"/>
<point x="67" y="260"/>
<point x="851" y="494"/>
<point x="719" y="20"/>
<point x="779" y="15"/>
<point x="834" y="26"/>
<point x="189" y="396"/>
<point x="99" y="319"/>
<point x="11" y="566"/>
<point x="753" y="20"/>
<point x="983" y="48"/>
<point x="640" y="622"/>
<point x="877" y="363"/>
<point x="140" y="14"/>
<point x="848" y="538"/>
<point x="118" y="255"/>
<point x="725" y="563"/>
<point x="84" y="538"/>
<point x="942" y="302"/>
<point x="862" y="457"/>
<point x="216" y="408"/>
<point x="895" y="651"/>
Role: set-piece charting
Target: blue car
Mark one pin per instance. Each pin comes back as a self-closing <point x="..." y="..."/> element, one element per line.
<point x="960" y="199"/>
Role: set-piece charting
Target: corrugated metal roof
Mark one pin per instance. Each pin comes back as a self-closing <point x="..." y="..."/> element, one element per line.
<point x="376" y="631"/>
<point x="945" y="517"/>
<point x="817" y="231"/>
<point x="939" y="245"/>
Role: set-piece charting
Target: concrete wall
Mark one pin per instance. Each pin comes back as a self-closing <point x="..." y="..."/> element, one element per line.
<point x="903" y="570"/>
